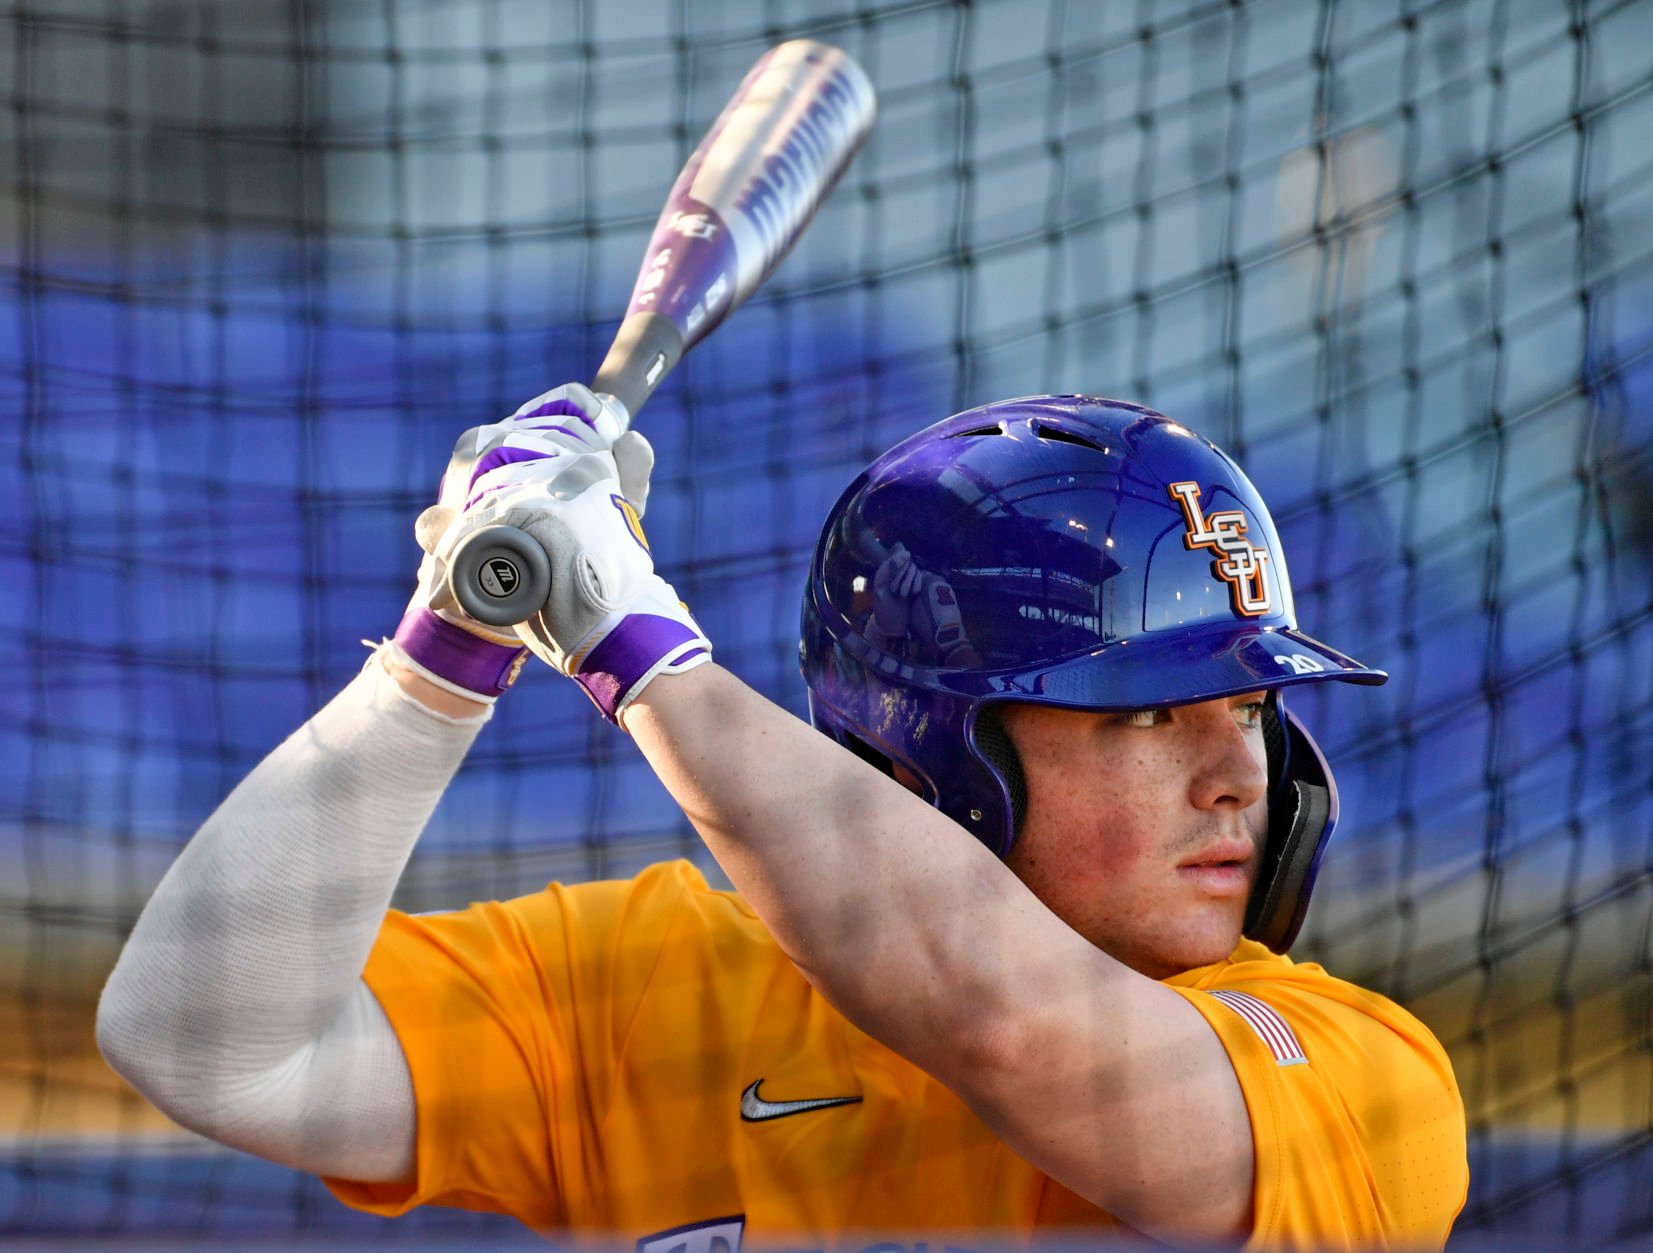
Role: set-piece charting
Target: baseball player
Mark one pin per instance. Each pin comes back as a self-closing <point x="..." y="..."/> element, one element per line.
<point x="1007" y="954"/>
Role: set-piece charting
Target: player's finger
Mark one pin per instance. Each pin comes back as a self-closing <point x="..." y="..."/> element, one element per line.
<point x="634" y="458"/>
<point x="910" y="577"/>
<point x="886" y="578"/>
<point x="574" y="411"/>
<point x="431" y="524"/>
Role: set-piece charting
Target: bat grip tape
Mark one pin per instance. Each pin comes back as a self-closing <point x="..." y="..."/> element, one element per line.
<point x="646" y="348"/>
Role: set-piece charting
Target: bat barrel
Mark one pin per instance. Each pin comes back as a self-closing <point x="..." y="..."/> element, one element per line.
<point x="771" y="157"/>
<point x="742" y="200"/>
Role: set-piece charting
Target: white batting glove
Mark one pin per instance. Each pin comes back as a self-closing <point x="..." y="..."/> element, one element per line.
<point x="611" y="623"/>
<point x="436" y="637"/>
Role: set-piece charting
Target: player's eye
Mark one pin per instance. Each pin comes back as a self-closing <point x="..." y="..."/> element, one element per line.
<point x="1143" y="717"/>
<point x="1250" y="714"/>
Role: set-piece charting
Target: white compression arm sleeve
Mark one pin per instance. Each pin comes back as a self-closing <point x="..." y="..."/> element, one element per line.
<point x="237" y="1006"/>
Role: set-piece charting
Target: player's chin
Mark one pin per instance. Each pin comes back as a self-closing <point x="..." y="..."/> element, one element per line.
<point x="1207" y="932"/>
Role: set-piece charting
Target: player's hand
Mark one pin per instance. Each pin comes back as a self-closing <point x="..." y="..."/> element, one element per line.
<point x="436" y="637"/>
<point x="915" y="609"/>
<point x="893" y="585"/>
<point x="939" y="624"/>
<point x="612" y="624"/>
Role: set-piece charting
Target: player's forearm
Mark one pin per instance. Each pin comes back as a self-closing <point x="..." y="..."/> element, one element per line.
<point x="884" y="904"/>
<point x="256" y="937"/>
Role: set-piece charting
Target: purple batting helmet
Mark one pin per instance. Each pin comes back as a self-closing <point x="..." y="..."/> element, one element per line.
<point x="1067" y="551"/>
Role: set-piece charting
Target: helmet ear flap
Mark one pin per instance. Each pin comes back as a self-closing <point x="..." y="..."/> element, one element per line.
<point x="1278" y="746"/>
<point x="1302" y="814"/>
<point x="1297" y="837"/>
<point x="994" y="744"/>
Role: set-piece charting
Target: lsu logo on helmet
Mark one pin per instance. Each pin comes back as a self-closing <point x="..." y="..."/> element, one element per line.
<point x="1239" y="563"/>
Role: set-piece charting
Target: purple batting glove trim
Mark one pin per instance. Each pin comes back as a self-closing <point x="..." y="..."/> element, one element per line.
<point x="552" y="426"/>
<point x="503" y="456"/>
<point x="562" y="409"/>
<point x="467" y="660"/>
<point x="629" y="652"/>
<point x="606" y="693"/>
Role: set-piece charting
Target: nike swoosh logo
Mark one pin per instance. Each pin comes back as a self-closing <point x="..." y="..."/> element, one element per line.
<point x="753" y="1108"/>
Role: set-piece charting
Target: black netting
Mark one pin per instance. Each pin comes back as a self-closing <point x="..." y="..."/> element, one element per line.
<point x="259" y="263"/>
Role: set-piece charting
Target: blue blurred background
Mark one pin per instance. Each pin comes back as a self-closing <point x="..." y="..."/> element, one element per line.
<point x="260" y="263"/>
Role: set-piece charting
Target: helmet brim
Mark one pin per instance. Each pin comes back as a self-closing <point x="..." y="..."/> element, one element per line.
<point x="1182" y="668"/>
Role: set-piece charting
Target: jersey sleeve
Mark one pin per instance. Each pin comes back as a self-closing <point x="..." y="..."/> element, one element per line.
<point x="511" y="1015"/>
<point x="1357" y="1122"/>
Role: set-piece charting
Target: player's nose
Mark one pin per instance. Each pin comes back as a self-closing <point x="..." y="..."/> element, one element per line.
<point x="1230" y="769"/>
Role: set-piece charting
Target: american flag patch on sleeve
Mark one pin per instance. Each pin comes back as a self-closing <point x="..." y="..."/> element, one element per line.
<point x="1273" y="1029"/>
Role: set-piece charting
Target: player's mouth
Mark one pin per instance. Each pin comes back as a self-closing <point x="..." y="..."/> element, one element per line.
<point x="1222" y="869"/>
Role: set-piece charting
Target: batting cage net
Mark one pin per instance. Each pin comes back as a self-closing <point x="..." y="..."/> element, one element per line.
<point x="261" y="262"/>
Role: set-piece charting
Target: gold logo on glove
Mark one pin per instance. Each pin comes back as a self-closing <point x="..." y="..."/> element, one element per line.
<point x="634" y="524"/>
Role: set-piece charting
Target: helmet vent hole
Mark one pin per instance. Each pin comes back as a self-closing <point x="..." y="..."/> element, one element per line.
<point x="978" y="432"/>
<point x="1058" y="435"/>
<point x="867" y="753"/>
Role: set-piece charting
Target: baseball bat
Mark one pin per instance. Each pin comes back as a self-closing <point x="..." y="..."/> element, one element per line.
<point x="739" y="204"/>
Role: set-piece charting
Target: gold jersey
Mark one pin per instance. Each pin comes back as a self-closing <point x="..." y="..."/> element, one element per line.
<point x="637" y="1062"/>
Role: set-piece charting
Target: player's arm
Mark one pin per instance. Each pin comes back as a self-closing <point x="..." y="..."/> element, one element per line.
<point x="237" y="1006"/>
<point x="1107" y="1080"/>
<point x="1103" y="1078"/>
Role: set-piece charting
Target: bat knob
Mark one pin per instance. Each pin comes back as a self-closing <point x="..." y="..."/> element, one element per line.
<point x="500" y="575"/>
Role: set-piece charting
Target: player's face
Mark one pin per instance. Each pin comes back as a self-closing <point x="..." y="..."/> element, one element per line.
<point x="1144" y="830"/>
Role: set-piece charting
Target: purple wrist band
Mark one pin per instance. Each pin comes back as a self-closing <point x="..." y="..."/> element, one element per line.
<point x="456" y="655"/>
<point x="629" y="652"/>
